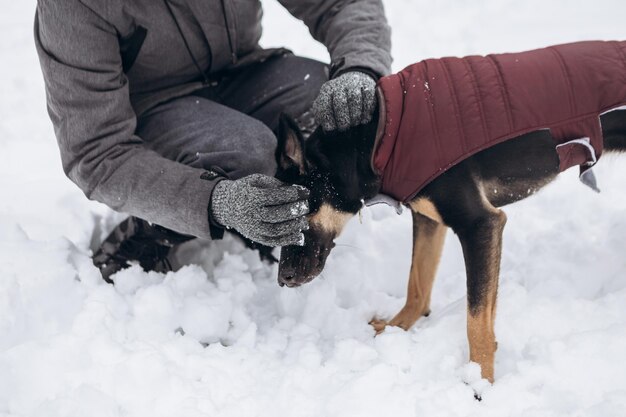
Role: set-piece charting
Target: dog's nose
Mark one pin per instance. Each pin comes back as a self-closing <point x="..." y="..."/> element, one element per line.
<point x="289" y="281"/>
<point x="287" y="276"/>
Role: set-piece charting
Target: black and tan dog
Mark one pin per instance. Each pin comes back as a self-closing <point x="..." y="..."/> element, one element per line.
<point x="337" y="168"/>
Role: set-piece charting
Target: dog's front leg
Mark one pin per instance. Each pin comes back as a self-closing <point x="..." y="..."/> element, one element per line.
<point x="428" y="238"/>
<point x="482" y="248"/>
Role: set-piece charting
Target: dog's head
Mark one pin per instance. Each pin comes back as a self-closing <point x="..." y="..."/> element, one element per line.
<point x="335" y="167"/>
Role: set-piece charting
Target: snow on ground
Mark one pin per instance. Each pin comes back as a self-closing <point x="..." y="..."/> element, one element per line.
<point x="220" y="338"/>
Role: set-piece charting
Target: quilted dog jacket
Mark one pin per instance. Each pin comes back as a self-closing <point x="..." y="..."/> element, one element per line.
<point x="439" y="112"/>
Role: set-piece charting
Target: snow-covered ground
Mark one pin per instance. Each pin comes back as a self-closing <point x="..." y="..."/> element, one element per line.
<point x="220" y="338"/>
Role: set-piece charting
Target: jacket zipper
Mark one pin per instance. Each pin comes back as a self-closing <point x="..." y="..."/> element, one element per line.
<point x="203" y="74"/>
<point x="233" y="55"/>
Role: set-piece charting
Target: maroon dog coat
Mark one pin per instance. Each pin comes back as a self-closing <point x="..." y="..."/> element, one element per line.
<point x="439" y="112"/>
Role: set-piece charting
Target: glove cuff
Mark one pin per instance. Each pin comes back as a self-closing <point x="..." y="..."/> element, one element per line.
<point x="218" y="208"/>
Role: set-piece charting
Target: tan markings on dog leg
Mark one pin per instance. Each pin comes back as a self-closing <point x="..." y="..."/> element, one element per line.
<point x="426" y="208"/>
<point x="482" y="339"/>
<point x="428" y="240"/>
<point x="329" y="219"/>
<point x="482" y="249"/>
<point x="378" y="325"/>
<point x="496" y="258"/>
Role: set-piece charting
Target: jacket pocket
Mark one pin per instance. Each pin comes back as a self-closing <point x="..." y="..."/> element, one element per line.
<point x="130" y="47"/>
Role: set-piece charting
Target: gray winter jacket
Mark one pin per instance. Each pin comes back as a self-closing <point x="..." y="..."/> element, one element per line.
<point x="105" y="62"/>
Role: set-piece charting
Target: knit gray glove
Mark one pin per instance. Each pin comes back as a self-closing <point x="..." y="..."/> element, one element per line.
<point x="263" y="209"/>
<point x="346" y="101"/>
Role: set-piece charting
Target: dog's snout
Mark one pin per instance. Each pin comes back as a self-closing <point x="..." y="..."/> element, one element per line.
<point x="289" y="282"/>
<point x="300" y="265"/>
<point x="287" y="277"/>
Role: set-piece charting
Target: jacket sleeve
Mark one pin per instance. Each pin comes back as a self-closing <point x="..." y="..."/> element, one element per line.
<point x="89" y="105"/>
<point x="355" y="32"/>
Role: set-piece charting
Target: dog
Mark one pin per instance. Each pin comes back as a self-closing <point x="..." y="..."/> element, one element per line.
<point x="465" y="193"/>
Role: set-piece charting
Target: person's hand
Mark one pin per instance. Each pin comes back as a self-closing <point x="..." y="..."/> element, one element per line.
<point x="263" y="209"/>
<point x="346" y="101"/>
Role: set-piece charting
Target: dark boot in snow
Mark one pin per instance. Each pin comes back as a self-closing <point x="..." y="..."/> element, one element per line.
<point x="136" y="240"/>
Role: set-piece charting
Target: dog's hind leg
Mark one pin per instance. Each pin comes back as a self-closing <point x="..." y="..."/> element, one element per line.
<point x="481" y="240"/>
<point x="614" y="130"/>
<point x="428" y="239"/>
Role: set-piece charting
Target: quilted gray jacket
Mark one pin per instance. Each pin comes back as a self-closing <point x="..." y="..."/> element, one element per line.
<point x="106" y="62"/>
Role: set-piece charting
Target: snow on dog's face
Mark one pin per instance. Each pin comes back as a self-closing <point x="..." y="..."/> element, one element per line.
<point x="328" y="165"/>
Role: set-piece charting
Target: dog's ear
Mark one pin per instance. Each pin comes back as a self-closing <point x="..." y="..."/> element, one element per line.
<point x="290" y="150"/>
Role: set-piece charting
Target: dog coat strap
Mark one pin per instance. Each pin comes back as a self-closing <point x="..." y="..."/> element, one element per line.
<point x="579" y="143"/>
<point x="588" y="178"/>
<point x="576" y="152"/>
<point x="584" y="151"/>
<point x="579" y="152"/>
<point x="384" y="199"/>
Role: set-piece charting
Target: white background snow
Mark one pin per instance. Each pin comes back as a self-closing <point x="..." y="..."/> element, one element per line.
<point x="71" y="345"/>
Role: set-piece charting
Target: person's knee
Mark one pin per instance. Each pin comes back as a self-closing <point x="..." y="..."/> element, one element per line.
<point x="258" y="155"/>
<point x="250" y="151"/>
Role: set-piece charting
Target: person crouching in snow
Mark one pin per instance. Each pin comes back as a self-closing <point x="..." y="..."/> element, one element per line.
<point x="166" y="109"/>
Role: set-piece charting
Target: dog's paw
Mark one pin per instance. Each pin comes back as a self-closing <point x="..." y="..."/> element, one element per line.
<point x="378" y="325"/>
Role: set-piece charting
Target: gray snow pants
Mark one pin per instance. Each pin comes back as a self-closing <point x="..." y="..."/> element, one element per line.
<point x="229" y="125"/>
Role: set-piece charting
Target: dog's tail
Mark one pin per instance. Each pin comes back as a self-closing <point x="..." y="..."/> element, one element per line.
<point x="614" y="130"/>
